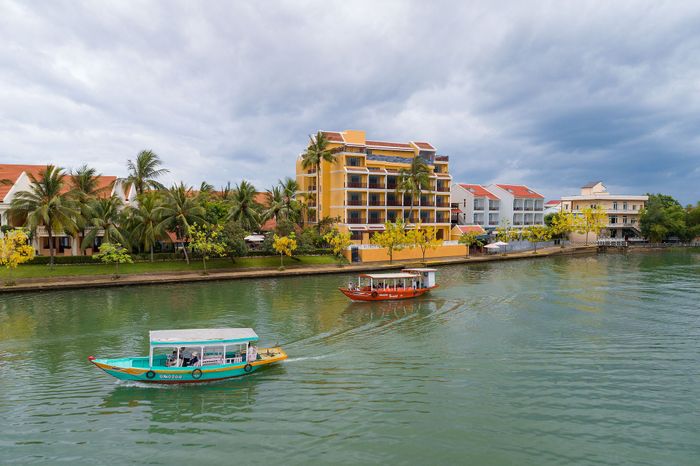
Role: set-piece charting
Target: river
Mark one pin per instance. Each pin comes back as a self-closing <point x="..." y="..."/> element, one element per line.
<point x="582" y="360"/>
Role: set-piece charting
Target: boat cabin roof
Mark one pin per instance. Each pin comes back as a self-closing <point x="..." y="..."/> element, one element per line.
<point x="419" y="270"/>
<point x="204" y="336"/>
<point x="388" y="276"/>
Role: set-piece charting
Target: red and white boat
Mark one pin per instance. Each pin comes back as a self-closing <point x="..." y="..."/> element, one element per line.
<point x="409" y="283"/>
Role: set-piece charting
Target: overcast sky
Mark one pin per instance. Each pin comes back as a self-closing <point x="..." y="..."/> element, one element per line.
<point x="550" y="94"/>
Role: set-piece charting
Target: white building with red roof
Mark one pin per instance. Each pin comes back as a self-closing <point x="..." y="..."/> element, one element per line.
<point x="552" y="207"/>
<point x="16" y="178"/>
<point x="520" y="205"/>
<point x="473" y="204"/>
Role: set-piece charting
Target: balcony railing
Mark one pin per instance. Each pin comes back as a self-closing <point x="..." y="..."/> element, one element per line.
<point x="354" y="184"/>
<point x="356" y="220"/>
<point x="375" y="220"/>
<point x="391" y="186"/>
<point x="443" y="189"/>
<point x="355" y="202"/>
<point x="394" y="202"/>
<point x="427" y="204"/>
<point x="442" y="204"/>
<point x="376" y="186"/>
<point x="376" y="203"/>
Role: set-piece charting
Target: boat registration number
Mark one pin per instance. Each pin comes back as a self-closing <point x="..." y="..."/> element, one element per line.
<point x="170" y="376"/>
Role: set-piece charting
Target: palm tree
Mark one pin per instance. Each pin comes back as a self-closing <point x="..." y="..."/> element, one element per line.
<point x="146" y="219"/>
<point x="46" y="204"/>
<point x="143" y="172"/>
<point x="244" y="210"/>
<point x="105" y="217"/>
<point x="414" y="180"/>
<point x="290" y="188"/>
<point x="275" y="204"/>
<point x="179" y="211"/>
<point x="316" y="153"/>
<point x="85" y="188"/>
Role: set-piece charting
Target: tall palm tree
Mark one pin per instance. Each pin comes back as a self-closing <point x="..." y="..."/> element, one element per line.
<point x="143" y="172"/>
<point x="275" y="204"/>
<point x="85" y="188"/>
<point x="179" y="211"/>
<point x="414" y="180"/>
<point x="145" y="220"/>
<point x="106" y="218"/>
<point x="46" y="204"/>
<point x="316" y="153"/>
<point x="290" y="188"/>
<point x="244" y="210"/>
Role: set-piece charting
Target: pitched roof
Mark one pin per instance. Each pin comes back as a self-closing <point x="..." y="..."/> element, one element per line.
<point x="12" y="172"/>
<point x="590" y="184"/>
<point x="424" y="145"/>
<point x="398" y="145"/>
<point x="333" y="136"/>
<point x="520" y="190"/>
<point x="479" y="191"/>
<point x="552" y="202"/>
<point x="261" y="198"/>
<point x="471" y="228"/>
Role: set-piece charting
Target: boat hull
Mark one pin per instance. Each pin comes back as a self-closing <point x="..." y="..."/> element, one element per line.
<point x="384" y="295"/>
<point x="119" y="368"/>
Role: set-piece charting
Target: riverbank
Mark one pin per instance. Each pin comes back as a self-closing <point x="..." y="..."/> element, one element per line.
<point x="94" y="281"/>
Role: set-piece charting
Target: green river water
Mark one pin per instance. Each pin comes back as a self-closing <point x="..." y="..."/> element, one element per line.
<point x="588" y="360"/>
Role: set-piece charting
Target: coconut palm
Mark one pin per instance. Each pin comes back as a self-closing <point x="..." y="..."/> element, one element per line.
<point x="46" y="204"/>
<point x="244" y="210"/>
<point x="275" y="204"/>
<point x="85" y="187"/>
<point x="180" y="209"/>
<point x="414" y="180"/>
<point x="144" y="172"/>
<point x="316" y="153"/>
<point x="145" y="220"/>
<point x="105" y="218"/>
<point x="290" y="189"/>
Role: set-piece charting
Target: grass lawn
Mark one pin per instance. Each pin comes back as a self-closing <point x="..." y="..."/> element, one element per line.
<point x="39" y="271"/>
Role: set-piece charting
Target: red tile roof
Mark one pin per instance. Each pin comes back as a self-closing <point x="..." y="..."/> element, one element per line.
<point x="479" y="191"/>
<point x="552" y="203"/>
<point x="388" y="144"/>
<point x="520" y="190"/>
<point x="471" y="228"/>
<point x="333" y="136"/>
<point x="260" y="198"/>
<point x="424" y="145"/>
<point x="12" y="173"/>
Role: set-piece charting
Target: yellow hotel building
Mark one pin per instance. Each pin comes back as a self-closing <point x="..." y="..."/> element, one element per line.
<point x="359" y="188"/>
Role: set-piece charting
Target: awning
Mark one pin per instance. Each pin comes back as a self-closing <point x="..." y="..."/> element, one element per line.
<point x="388" y="276"/>
<point x="357" y="228"/>
<point x="204" y="336"/>
<point x="255" y="238"/>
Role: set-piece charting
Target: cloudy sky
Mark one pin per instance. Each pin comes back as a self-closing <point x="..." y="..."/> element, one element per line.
<point x="551" y="94"/>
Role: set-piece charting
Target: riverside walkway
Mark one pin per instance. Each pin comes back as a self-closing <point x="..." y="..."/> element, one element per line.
<point x="96" y="281"/>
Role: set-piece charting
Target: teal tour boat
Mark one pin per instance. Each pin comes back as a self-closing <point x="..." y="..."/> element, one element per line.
<point x="193" y="355"/>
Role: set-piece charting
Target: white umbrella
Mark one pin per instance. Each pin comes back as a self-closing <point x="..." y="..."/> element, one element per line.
<point x="500" y="243"/>
<point x="255" y="238"/>
<point x="492" y="246"/>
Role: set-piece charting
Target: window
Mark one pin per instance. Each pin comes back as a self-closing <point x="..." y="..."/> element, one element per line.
<point x="356" y="235"/>
<point x="624" y="205"/>
<point x="624" y="219"/>
<point x="614" y="205"/>
<point x="613" y="220"/>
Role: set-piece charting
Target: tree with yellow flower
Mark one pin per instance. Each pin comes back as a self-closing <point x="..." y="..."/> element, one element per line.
<point x="393" y="238"/>
<point x="338" y="242"/>
<point x="14" y="250"/>
<point x="285" y="246"/>
<point x="423" y="238"/>
<point x="208" y="241"/>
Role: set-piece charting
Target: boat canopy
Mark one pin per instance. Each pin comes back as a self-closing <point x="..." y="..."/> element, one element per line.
<point x="388" y="276"/>
<point x="203" y="336"/>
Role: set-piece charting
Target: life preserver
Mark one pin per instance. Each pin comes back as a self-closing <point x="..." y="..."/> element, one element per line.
<point x="196" y="374"/>
<point x="247" y="368"/>
<point x="375" y="294"/>
<point x="150" y="374"/>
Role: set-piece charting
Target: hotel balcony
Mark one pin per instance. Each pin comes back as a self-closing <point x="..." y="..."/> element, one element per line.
<point x="355" y="202"/>
<point x="442" y="204"/>
<point x="355" y="184"/>
<point x="443" y="189"/>
<point x="356" y="220"/>
<point x="394" y="202"/>
<point x="376" y="220"/>
<point x="376" y="185"/>
<point x="376" y="203"/>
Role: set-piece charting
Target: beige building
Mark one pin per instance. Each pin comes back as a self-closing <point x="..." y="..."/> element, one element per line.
<point x="623" y="209"/>
<point x="359" y="188"/>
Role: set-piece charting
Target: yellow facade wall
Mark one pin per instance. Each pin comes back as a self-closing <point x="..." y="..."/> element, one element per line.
<point x="380" y="254"/>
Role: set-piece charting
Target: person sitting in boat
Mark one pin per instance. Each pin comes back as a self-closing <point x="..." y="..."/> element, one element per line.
<point x="172" y="359"/>
<point x="194" y="359"/>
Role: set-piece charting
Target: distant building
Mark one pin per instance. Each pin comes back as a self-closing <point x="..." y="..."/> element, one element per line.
<point x="360" y="187"/>
<point x="520" y="205"/>
<point x="552" y="207"/>
<point x="65" y="244"/>
<point x="473" y="204"/>
<point x="623" y="209"/>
